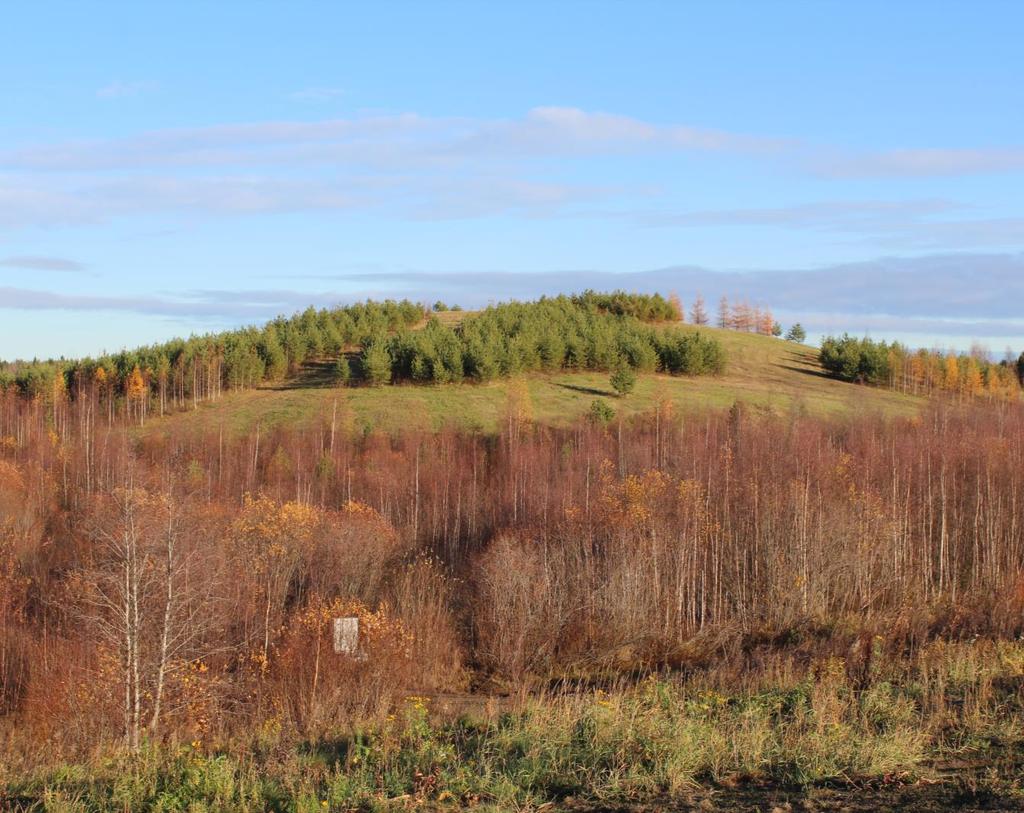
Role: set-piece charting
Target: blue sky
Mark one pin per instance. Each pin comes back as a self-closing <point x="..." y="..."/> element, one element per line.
<point x="170" y="168"/>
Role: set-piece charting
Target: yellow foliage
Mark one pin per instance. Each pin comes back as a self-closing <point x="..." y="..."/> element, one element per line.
<point x="135" y="386"/>
<point x="972" y="383"/>
<point x="376" y="627"/>
<point x="951" y="374"/>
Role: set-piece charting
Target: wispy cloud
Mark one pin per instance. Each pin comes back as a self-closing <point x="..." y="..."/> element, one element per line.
<point x="571" y="131"/>
<point x="120" y="90"/>
<point x="921" y="163"/>
<point x="413" y="140"/>
<point x="429" y="167"/>
<point x="410" y="196"/>
<point x="929" y="224"/>
<point x="226" y="195"/>
<point x="833" y="215"/>
<point x="928" y="330"/>
<point x="394" y="140"/>
<point x="316" y="94"/>
<point x="39" y="263"/>
<point x="219" y="306"/>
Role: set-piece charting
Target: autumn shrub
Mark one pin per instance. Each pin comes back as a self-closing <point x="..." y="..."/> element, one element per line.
<point x="317" y="689"/>
<point x="527" y="613"/>
<point x="423" y="598"/>
<point x="307" y="567"/>
<point x="352" y="553"/>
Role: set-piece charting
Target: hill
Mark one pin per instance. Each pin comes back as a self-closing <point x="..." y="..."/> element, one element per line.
<point x="762" y="372"/>
<point x="726" y="594"/>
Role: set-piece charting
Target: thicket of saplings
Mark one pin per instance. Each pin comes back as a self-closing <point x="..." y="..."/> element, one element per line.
<point x="381" y="342"/>
<point x="795" y="582"/>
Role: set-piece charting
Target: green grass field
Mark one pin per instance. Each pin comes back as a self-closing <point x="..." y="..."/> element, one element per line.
<point x="764" y="373"/>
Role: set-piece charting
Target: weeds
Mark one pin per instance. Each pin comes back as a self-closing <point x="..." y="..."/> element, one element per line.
<point x="659" y="738"/>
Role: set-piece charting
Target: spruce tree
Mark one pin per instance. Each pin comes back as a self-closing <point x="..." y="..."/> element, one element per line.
<point x="796" y="333"/>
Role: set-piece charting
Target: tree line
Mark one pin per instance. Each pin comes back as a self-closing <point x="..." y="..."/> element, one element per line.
<point x="377" y="343"/>
<point x="893" y="365"/>
<point x="185" y="371"/>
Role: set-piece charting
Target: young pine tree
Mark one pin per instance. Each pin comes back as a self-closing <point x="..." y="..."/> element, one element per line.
<point x="601" y="412"/>
<point x="376" y="364"/>
<point x="342" y="370"/>
<point x="623" y="379"/>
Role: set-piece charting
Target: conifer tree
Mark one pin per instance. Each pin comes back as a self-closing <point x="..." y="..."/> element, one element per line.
<point x="796" y="333"/>
<point x="623" y="379"/>
<point x="376" y="363"/>
<point x="342" y="370"/>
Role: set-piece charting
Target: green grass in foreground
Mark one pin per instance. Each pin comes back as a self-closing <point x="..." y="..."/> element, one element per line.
<point x="762" y="372"/>
<point x="656" y="740"/>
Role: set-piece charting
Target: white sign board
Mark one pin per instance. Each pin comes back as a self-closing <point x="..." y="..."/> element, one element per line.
<point x="346" y="635"/>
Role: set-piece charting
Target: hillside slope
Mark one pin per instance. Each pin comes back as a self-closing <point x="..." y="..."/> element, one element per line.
<point x="763" y="372"/>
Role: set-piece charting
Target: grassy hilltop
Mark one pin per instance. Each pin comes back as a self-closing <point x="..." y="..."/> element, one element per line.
<point x="761" y="371"/>
<point x="392" y="365"/>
